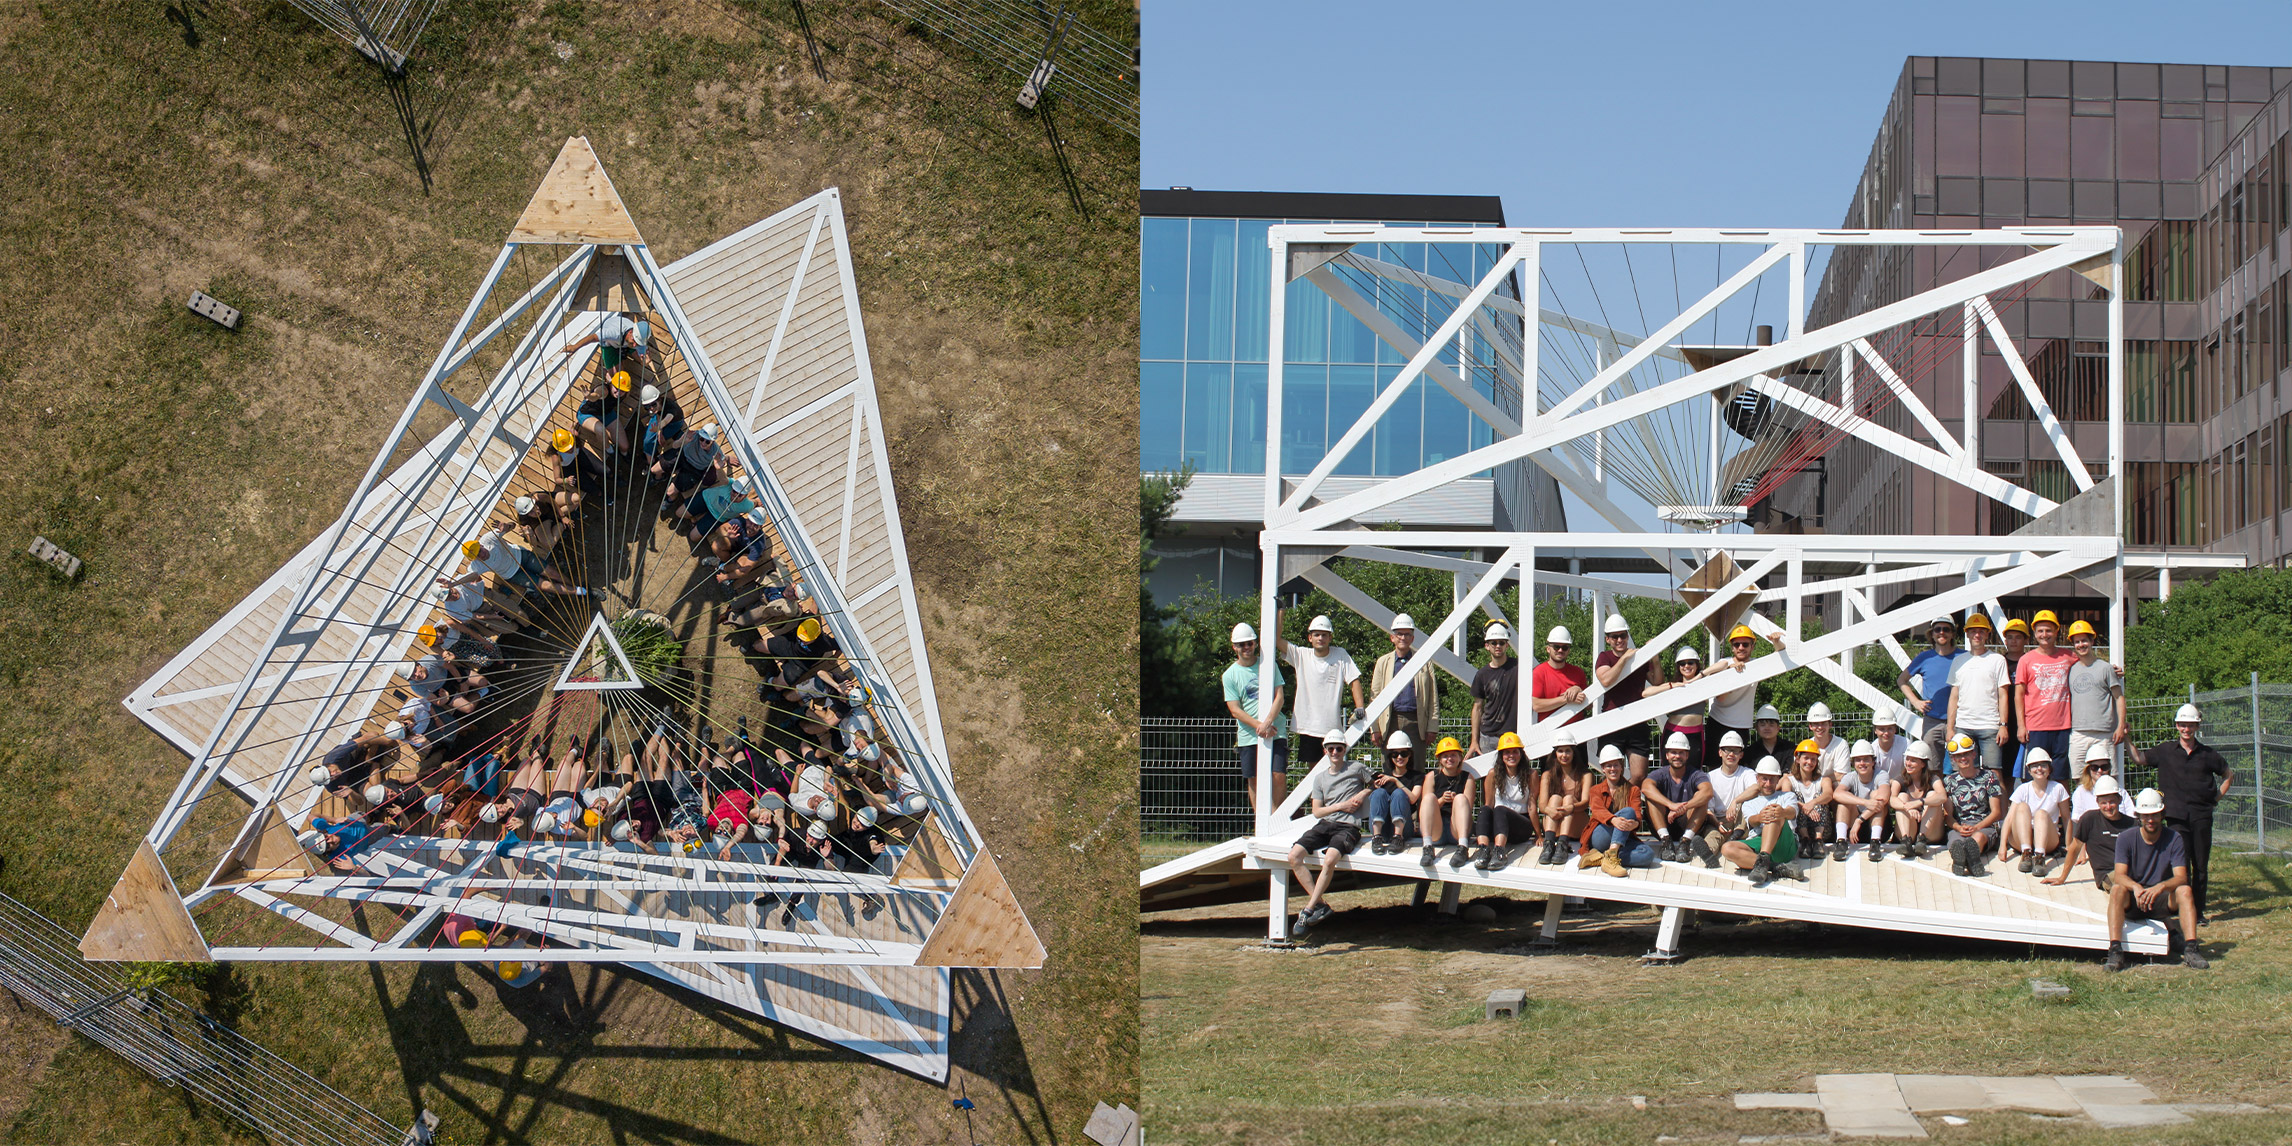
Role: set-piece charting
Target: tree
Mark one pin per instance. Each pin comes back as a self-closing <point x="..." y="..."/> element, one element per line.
<point x="2213" y="634"/>
<point x="1163" y="689"/>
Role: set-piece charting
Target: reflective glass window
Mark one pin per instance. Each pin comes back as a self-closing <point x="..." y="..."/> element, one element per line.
<point x="1161" y="413"/>
<point x="1400" y="433"/>
<point x="1304" y="418"/>
<point x="1162" y="288"/>
<point x="1305" y="325"/>
<point x="1252" y="290"/>
<point x="1210" y="291"/>
<point x="1351" y="389"/>
<point x="1209" y="414"/>
<point x="1249" y="417"/>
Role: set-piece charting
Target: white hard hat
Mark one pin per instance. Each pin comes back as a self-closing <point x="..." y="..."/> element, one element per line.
<point x="1768" y="767"/>
<point x="914" y="804"/>
<point x="2099" y="751"/>
<point x="545" y="822"/>
<point x="824" y="810"/>
<point x="2106" y="786"/>
<point x="395" y="730"/>
<point x="1885" y="718"/>
<point x="376" y="793"/>
<point x="1767" y="712"/>
<point x="649" y="395"/>
<point x="741" y="484"/>
<point x="1921" y="750"/>
<point x="434" y="804"/>
<point x="1242" y="632"/>
<point x="318" y="775"/>
<point x="1817" y="712"/>
<point x="2038" y="756"/>
<point x="1616" y="624"/>
<point x="621" y="831"/>
<point x="1861" y="749"/>
<point x="491" y="814"/>
<point x="866" y="816"/>
<point x="1399" y="741"/>
<point x="1321" y="624"/>
<point x="1610" y="752"/>
<point x="2187" y="714"/>
<point x="708" y="433"/>
<point x="1688" y="653"/>
<point x="2149" y="802"/>
<point x="1559" y="636"/>
<point x="1328" y="736"/>
<point x="1404" y="621"/>
<point x="1497" y="632"/>
<point x="1733" y="739"/>
<point x="818" y="830"/>
<point x="1679" y="740"/>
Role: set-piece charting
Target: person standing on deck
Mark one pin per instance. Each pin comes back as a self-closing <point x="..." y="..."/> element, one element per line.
<point x="1495" y="691"/>
<point x="1323" y="672"/>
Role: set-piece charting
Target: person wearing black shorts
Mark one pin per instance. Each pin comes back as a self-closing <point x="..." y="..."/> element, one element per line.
<point x="1338" y="796"/>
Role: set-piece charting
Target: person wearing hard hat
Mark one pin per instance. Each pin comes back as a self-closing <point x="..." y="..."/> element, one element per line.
<point x="1830" y="749"/>
<point x="1736" y="710"/>
<point x="580" y="476"/>
<point x="1807" y="778"/>
<point x="1925" y="681"/>
<point x="1624" y="688"/>
<point x="2015" y="638"/>
<point x="1322" y="672"/>
<point x="803" y="653"/>
<point x="1555" y="683"/>
<point x="1886" y="737"/>
<point x="1730" y="782"/>
<point x="699" y="464"/>
<point x="1920" y="803"/>
<point x="1393" y="796"/>
<point x="1977" y="803"/>
<point x="2037" y="815"/>
<point x="339" y="841"/>
<point x="1863" y="796"/>
<point x="2192" y="778"/>
<point x="624" y="337"/>
<point x="2093" y="837"/>
<point x="2151" y="881"/>
<point x="1616" y="816"/>
<point x="664" y="429"/>
<point x="1567" y="788"/>
<point x="470" y="616"/>
<point x="1767" y="741"/>
<point x="348" y="764"/>
<point x="598" y="417"/>
<point x="1678" y="799"/>
<point x="1444" y="804"/>
<point x="2041" y="692"/>
<point x="2099" y="761"/>
<point x="1260" y="741"/>
<point x="1508" y="804"/>
<point x="1495" y="690"/>
<point x="1686" y="720"/>
<point x="862" y="847"/>
<point x="1337" y="796"/>
<point x="538" y="523"/>
<point x="1770" y="813"/>
<point x="1416" y="710"/>
<point x="2096" y="696"/>
<point x="1978" y="695"/>
<point x="491" y="553"/>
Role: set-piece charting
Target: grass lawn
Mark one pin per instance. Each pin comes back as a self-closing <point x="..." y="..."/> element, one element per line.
<point x="1374" y="1033"/>
<point x="262" y="163"/>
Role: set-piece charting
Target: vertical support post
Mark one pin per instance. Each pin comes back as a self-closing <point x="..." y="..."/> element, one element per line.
<point x="1970" y="360"/>
<point x="1524" y="640"/>
<point x="1796" y="570"/>
<point x="1796" y="323"/>
<point x="1456" y="640"/>
<point x="2259" y="791"/>
<point x="1667" y="932"/>
<point x="1277" y="904"/>
<point x="1269" y="553"/>
<point x="1554" y="904"/>
<point x="1450" y="892"/>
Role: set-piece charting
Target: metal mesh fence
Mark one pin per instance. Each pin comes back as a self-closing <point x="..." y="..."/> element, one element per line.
<point x="175" y="1044"/>
<point x="1190" y="784"/>
<point x="1095" y="75"/>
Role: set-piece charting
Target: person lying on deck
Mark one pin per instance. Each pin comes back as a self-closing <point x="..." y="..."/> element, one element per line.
<point x="1678" y="801"/>
<point x="1976" y="806"/>
<point x="447" y="681"/>
<point x="493" y="554"/>
<point x="1919" y="802"/>
<point x="470" y="617"/>
<point x="348" y="764"/>
<point x="340" y="840"/>
<point x="1393" y="796"/>
<point x="622" y="336"/>
<point x="2035" y="814"/>
<point x="1444" y="804"/>
<point x="666" y="811"/>
<point x="1508" y="802"/>
<point x="1337" y="797"/>
<point x="1616" y="815"/>
<point x="1568" y="794"/>
<point x="1864" y="797"/>
<point x="561" y="816"/>
<point x="542" y="521"/>
<point x="518" y="803"/>
<point x="1770" y="841"/>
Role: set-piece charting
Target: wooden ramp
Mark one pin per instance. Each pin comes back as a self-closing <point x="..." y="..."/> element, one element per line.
<point x="1893" y="894"/>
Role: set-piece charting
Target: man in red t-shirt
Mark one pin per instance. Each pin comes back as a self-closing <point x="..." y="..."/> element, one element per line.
<point x="2041" y="692"/>
<point x="1556" y="683"/>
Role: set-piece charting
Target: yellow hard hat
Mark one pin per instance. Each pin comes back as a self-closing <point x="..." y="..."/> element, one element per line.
<point x="510" y="971"/>
<point x="590" y="818"/>
<point x="1741" y="633"/>
<point x="470" y="938"/>
<point x="1961" y="743"/>
<point x="471" y="549"/>
<point x="1810" y="746"/>
<point x="808" y="629"/>
<point x="1509" y="740"/>
<point x="1978" y="620"/>
<point x="428" y="634"/>
<point x="562" y="440"/>
<point x="2081" y="629"/>
<point x="621" y="381"/>
<point x="1447" y="745"/>
<point x="2017" y="625"/>
<point x="2045" y="617"/>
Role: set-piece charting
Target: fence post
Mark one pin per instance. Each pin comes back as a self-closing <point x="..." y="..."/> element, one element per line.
<point x="2259" y="787"/>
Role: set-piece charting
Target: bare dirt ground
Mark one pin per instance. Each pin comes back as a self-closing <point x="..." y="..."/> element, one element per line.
<point x="256" y="158"/>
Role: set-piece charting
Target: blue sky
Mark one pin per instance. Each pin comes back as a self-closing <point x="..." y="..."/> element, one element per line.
<point x="1604" y="114"/>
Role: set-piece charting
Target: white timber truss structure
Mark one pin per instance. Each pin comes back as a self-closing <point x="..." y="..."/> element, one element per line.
<point x="1567" y="430"/>
<point x="763" y="330"/>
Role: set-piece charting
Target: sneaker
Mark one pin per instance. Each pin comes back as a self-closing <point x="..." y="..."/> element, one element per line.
<point x="1303" y="924"/>
<point x="2043" y="862"/>
<point x="1699" y="850"/>
<point x="1459" y="857"/>
<point x="2028" y="862"/>
<point x="1503" y="857"/>
<point x="1487" y="856"/>
<point x="1917" y="849"/>
<point x="1431" y="852"/>
<point x="2193" y="960"/>
<point x="1763" y="872"/>
<point x="1789" y="871"/>
<point x="1321" y="913"/>
<point x="1958" y="865"/>
<point x="1975" y="866"/>
<point x="1908" y="848"/>
<point x="2116" y="960"/>
<point x="1876" y="852"/>
<point x="1843" y="849"/>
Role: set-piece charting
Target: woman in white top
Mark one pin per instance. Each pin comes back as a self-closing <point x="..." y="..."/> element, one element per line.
<point x="2081" y="798"/>
<point x="1507" y="794"/>
<point x="2034" y="813"/>
<point x="1919" y="802"/>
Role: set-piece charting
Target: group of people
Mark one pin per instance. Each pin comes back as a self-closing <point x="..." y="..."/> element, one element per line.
<point x="2011" y="762"/>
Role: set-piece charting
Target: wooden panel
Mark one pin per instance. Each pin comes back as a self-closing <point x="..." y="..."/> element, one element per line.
<point x="983" y="925"/>
<point x="143" y="919"/>
<point x="575" y="203"/>
<point x="273" y="851"/>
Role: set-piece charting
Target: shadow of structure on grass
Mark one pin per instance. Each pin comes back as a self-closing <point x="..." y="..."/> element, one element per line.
<point x="564" y="1015"/>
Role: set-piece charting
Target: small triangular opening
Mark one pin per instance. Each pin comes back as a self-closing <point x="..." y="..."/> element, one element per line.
<point x="597" y="663"/>
<point x="575" y="203"/>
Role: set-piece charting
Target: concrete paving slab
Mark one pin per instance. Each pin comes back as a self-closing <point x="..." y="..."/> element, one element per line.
<point x="2030" y="1092"/>
<point x="2115" y="1117"/>
<point x="1778" y="1102"/>
<point x="1926" y="1093"/>
<point x="2219" y="1108"/>
<point x="2107" y="1089"/>
<point x="1866" y="1106"/>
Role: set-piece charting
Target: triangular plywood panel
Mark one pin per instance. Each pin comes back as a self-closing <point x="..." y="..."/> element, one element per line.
<point x="1710" y="579"/>
<point x="143" y="919"/>
<point x="983" y="925"/>
<point x="576" y="203"/>
<point x="268" y="854"/>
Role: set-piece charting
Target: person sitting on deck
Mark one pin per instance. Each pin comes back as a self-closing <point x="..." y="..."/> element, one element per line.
<point x="769" y="601"/>
<point x="1568" y="796"/>
<point x="1813" y="787"/>
<point x="621" y="337"/>
<point x="2151" y="881"/>
<point x="723" y="498"/>
<point x="518" y="803"/>
<point x="2093" y="837"/>
<point x="598" y="417"/>
<point x="2036" y="814"/>
<point x="1616" y="816"/>
<point x="580" y="476"/>
<point x="1831" y="749"/>
<point x="1770" y="842"/>
<point x="1767" y="741"/>
<point x="561" y="816"/>
<point x="1729" y="782"/>
<point x="1919" y="802"/>
<point x="492" y="554"/>
<point x="800" y="655"/>
<point x="1863" y="797"/>
<point x="742" y="550"/>
<point x="447" y="681"/>
<point x="1508" y="799"/>
<point x="663" y="434"/>
<point x="1393" y="796"/>
<point x="697" y="466"/>
<point x="470" y="617"/>
<point x="665" y="810"/>
<point x="1337" y="797"/>
<point x="2081" y="798"/>
<point x="348" y="764"/>
<point x="737" y="816"/>
<point x="1444" y="804"/>
<point x="1678" y="800"/>
<point x="862" y="848"/>
<point x="340" y="840"/>
<point x="1976" y="806"/>
<point x="1887" y="740"/>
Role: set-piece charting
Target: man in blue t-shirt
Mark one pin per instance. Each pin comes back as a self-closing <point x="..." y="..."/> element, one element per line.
<point x="2151" y="881"/>
<point x="1926" y="680"/>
